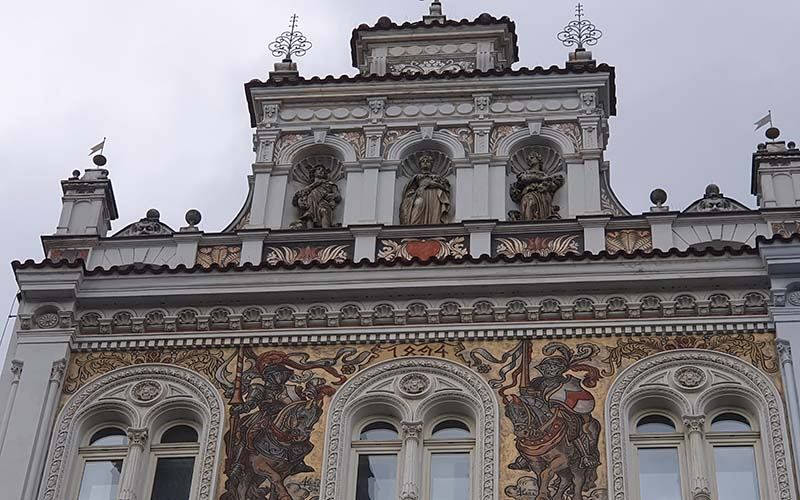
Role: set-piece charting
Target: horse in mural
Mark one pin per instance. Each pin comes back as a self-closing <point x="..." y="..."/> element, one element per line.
<point x="273" y="450"/>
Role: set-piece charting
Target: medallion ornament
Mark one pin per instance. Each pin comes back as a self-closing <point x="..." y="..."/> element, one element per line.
<point x="47" y="320"/>
<point x="146" y="391"/>
<point x="690" y="377"/>
<point x="414" y="384"/>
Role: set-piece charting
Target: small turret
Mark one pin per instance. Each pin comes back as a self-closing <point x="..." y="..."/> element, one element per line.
<point x="88" y="204"/>
<point x="776" y="172"/>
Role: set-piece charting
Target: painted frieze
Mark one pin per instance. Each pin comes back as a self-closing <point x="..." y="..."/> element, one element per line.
<point x="423" y="249"/>
<point x="629" y="241"/>
<point x="539" y="245"/>
<point x="337" y="253"/>
<point x="221" y="255"/>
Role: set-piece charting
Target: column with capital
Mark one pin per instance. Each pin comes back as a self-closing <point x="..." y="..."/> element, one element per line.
<point x="698" y="472"/>
<point x="411" y="439"/>
<point x="137" y="441"/>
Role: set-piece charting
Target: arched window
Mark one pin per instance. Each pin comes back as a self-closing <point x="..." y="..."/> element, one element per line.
<point x="160" y="439"/>
<point x="412" y="428"/>
<point x="101" y="461"/>
<point x="173" y="463"/>
<point x="696" y="424"/>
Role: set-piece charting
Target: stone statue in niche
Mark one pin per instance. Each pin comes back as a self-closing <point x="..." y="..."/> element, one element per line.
<point x="317" y="201"/>
<point x="426" y="197"/>
<point x="534" y="191"/>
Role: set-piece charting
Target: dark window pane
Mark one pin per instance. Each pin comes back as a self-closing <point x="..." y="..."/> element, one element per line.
<point x="451" y="429"/>
<point x="653" y="424"/>
<point x="377" y="477"/>
<point x="659" y="474"/>
<point x="379" y="431"/>
<point x="173" y="479"/>
<point x="450" y="476"/>
<point x="730" y="422"/>
<point x="109" y="437"/>
<point x="179" y="434"/>
<point x="100" y="480"/>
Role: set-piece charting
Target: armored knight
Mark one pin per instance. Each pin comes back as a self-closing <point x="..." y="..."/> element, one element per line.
<point x="534" y="191"/>
<point x="426" y="197"/>
<point x="318" y="200"/>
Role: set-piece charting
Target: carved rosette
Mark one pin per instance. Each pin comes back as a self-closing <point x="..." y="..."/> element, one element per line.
<point x="46" y="321"/>
<point x="690" y="378"/>
<point x="414" y="385"/>
<point x="146" y="392"/>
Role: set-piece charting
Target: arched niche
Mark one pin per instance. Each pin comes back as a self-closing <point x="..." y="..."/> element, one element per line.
<point x="443" y="165"/>
<point x="301" y="158"/>
<point x="553" y="164"/>
<point x="413" y="391"/>
<point x="136" y="397"/>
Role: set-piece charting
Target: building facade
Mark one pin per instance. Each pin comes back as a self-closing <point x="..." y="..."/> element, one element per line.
<point x="431" y="292"/>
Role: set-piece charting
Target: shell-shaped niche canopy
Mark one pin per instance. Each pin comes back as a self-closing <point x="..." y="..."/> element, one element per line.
<point x="302" y="170"/>
<point x="552" y="162"/>
<point x="442" y="164"/>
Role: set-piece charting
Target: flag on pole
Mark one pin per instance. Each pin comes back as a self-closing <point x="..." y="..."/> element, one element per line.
<point x="98" y="147"/>
<point x="764" y="121"/>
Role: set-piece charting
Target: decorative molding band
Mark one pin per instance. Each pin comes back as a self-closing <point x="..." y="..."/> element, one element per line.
<point x="425" y="334"/>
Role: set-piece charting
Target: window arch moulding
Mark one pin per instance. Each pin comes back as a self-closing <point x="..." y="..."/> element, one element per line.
<point x="414" y="388"/>
<point x="145" y="392"/>
<point x="695" y="382"/>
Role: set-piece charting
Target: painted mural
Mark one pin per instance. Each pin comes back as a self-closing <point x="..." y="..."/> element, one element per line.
<point x="552" y="394"/>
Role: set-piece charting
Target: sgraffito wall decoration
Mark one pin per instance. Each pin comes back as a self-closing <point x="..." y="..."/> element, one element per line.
<point x="539" y="245"/>
<point x="785" y="229"/>
<point x="337" y="253"/>
<point x="629" y="241"/>
<point x="551" y="393"/>
<point x="423" y="249"/>
<point x="221" y="255"/>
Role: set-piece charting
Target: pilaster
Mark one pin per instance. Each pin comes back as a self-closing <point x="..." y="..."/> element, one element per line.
<point x="187" y="243"/>
<point x="699" y="484"/>
<point x="661" y="229"/>
<point x="137" y="442"/>
<point x="365" y="237"/>
<point x="252" y="246"/>
<point x="412" y="434"/>
<point x="480" y="237"/>
<point x="594" y="233"/>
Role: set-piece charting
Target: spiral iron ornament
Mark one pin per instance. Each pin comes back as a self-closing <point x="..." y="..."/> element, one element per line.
<point x="580" y="32"/>
<point x="290" y="43"/>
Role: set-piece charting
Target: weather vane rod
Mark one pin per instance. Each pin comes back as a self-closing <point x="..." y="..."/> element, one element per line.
<point x="580" y="32"/>
<point x="290" y="43"/>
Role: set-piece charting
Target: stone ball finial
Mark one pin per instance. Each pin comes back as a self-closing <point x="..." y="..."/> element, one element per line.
<point x="99" y="160"/>
<point x="712" y="190"/>
<point x="658" y="196"/>
<point x="193" y="217"/>
<point x="76" y="174"/>
<point x="773" y="133"/>
<point x="762" y="147"/>
<point x="153" y="214"/>
<point x="791" y="145"/>
<point x="384" y="22"/>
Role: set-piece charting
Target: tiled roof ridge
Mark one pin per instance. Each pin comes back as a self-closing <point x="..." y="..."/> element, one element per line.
<point x="382" y="263"/>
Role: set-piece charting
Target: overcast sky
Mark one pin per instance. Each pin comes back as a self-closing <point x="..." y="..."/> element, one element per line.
<point x="162" y="79"/>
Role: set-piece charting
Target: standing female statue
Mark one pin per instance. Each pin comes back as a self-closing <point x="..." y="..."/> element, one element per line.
<point x="317" y="201"/>
<point x="426" y="197"/>
<point x="534" y="191"/>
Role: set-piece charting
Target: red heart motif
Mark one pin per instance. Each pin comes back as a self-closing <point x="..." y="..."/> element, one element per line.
<point x="423" y="249"/>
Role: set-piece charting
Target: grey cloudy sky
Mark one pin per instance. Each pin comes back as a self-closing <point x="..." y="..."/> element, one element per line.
<point x="162" y="79"/>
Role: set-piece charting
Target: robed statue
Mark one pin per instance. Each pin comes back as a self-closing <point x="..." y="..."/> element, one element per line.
<point x="318" y="200"/>
<point x="426" y="197"/>
<point x="534" y="191"/>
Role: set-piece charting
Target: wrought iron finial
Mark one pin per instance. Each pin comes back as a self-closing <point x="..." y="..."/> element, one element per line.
<point x="290" y="43"/>
<point x="580" y="32"/>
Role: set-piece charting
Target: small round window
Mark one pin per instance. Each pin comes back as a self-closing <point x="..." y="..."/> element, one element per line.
<point x="379" y="431"/>
<point x="451" y="429"/>
<point x="655" y="424"/>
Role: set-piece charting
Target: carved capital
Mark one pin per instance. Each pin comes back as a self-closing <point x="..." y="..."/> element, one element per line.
<point x="409" y="492"/>
<point x="701" y="489"/>
<point x="784" y="351"/>
<point x="16" y="370"/>
<point x="57" y="371"/>
<point x="694" y="423"/>
<point x="411" y="430"/>
<point x="137" y="437"/>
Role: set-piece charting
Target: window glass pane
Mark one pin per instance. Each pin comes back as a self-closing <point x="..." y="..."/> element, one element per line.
<point x="450" y="476"/>
<point x="451" y="429"/>
<point x="109" y="437"/>
<point x="179" y="434"/>
<point x="730" y="422"/>
<point x="379" y="431"/>
<point x="377" y="477"/>
<point x="659" y="474"/>
<point x="736" y="472"/>
<point x="654" y="424"/>
<point x="173" y="480"/>
<point x="100" y="480"/>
